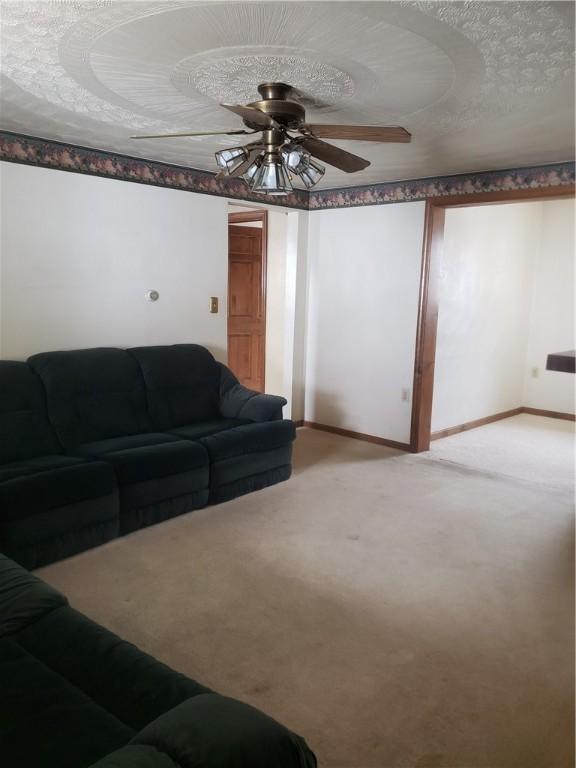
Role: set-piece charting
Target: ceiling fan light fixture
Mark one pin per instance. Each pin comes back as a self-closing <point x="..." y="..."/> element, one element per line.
<point x="311" y="174"/>
<point x="250" y="172"/>
<point x="269" y="163"/>
<point x="271" y="177"/>
<point x="227" y="159"/>
<point x="295" y="158"/>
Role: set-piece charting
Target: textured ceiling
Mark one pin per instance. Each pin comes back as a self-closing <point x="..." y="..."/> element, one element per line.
<point x="480" y="85"/>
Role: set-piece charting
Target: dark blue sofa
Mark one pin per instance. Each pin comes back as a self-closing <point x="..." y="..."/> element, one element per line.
<point x="74" y="695"/>
<point x="97" y="443"/>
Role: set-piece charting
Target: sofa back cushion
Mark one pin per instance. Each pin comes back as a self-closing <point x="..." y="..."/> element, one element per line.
<point x="24" y="428"/>
<point x="93" y="394"/>
<point x="182" y="384"/>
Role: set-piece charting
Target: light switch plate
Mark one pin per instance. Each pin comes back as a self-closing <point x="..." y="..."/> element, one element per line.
<point x="214" y="304"/>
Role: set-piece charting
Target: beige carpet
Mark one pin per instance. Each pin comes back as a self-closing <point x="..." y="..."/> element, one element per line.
<point x="398" y="611"/>
<point x="527" y="447"/>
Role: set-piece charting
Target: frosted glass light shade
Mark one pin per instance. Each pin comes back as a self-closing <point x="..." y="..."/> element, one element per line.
<point x="271" y="178"/>
<point x="249" y="175"/>
<point x="227" y="159"/>
<point x="295" y="158"/>
<point x="311" y="174"/>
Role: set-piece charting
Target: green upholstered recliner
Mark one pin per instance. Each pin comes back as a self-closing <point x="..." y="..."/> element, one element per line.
<point x="97" y="443"/>
<point x="51" y="505"/>
<point x="74" y="695"/>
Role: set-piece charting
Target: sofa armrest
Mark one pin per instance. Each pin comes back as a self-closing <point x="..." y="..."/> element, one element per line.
<point x="24" y="598"/>
<point x="239" y="402"/>
<point x="213" y="731"/>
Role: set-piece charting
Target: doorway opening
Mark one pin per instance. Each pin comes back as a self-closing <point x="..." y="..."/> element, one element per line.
<point x="247" y="251"/>
<point x="433" y="285"/>
<point x="275" y="362"/>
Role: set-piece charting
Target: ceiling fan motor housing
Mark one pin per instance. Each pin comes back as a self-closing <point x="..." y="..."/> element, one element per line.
<point x="275" y="102"/>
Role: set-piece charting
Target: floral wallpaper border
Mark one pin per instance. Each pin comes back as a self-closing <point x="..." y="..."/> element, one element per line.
<point x="422" y="189"/>
<point x="18" y="148"/>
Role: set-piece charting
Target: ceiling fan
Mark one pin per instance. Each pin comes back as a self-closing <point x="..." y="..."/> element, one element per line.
<point x="269" y="163"/>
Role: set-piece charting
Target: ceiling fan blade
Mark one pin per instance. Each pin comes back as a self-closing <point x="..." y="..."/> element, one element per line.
<point x="252" y="115"/>
<point x="335" y="156"/>
<point x="393" y="133"/>
<point x="204" y="133"/>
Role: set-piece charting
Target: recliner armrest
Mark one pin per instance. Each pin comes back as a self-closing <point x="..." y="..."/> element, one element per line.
<point x="239" y="402"/>
<point x="24" y="598"/>
<point x="213" y="731"/>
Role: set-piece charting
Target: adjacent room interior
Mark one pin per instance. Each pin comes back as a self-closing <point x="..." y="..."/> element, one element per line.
<point x="505" y="304"/>
<point x="287" y="357"/>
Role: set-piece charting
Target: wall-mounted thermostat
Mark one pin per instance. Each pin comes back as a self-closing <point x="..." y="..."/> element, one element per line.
<point x="152" y="295"/>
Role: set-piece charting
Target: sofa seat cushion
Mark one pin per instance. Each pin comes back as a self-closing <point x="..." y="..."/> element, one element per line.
<point x="250" y="439"/>
<point x="206" y="428"/>
<point x="55" y="506"/>
<point x="101" y="447"/>
<point x="39" y="464"/>
<point x="144" y="462"/>
<point x="160" y="478"/>
<point x="248" y="458"/>
<point x="46" y="721"/>
<point x="38" y="485"/>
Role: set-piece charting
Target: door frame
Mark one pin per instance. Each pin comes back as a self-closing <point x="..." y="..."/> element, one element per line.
<point x="433" y="245"/>
<point x="244" y="217"/>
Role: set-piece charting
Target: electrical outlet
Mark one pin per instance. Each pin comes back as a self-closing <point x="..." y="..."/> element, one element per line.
<point x="405" y="395"/>
<point x="535" y="372"/>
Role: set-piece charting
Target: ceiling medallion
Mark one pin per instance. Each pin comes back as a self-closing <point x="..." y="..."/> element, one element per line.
<point x="229" y="75"/>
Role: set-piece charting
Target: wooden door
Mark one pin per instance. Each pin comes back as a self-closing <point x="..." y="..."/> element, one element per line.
<point x="246" y="303"/>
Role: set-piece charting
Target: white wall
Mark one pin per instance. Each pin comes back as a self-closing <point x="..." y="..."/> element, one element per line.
<point x="552" y="309"/>
<point x="483" y="315"/>
<point x="79" y="253"/>
<point x="275" y="301"/>
<point x="364" y="274"/>
<point x="506" y="301"/>
<point x="296" y="312"/>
